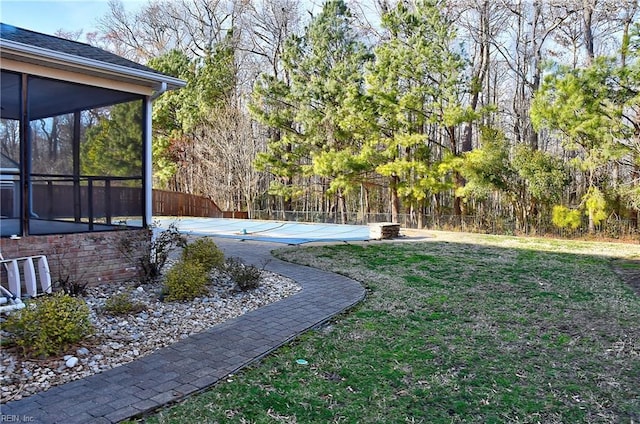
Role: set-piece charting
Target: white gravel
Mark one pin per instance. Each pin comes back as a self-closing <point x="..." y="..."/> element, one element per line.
<point x="121" y="339"/>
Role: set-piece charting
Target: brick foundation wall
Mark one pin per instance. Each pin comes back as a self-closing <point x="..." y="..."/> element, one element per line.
<point x="93" y="258"/>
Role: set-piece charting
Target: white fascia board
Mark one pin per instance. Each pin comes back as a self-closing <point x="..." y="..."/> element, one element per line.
<point x="78" y="63"/>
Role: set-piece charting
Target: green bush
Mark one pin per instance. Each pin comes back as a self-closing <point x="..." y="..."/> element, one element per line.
<point x="596" y="205"/>
<point x="564" y="217"/>
<point x="49" y="325"/>
<point x="204" y="251"/>
<point x="246" y="277"/>
<point x="121" y="304"/>
<point x="186" y="281"/>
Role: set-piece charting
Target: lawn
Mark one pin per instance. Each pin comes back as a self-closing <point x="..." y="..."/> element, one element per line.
<point x="457" y="328"/>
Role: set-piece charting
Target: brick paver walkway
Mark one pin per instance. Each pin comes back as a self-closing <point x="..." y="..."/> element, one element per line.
<point x="196" y="363"/>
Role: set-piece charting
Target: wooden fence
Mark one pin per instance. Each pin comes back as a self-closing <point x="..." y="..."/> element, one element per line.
<point x="171" y="203"/>
<point x="101" y="198"/>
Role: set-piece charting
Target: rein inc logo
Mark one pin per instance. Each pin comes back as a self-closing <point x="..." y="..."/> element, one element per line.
<point x="6" y="418"/>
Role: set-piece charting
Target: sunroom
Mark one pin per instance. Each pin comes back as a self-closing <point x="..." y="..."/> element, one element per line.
<point x="75" y="143"/>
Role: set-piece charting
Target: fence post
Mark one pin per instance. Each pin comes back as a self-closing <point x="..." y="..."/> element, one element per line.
<point x="90" y="201"/>
<point x="107" y="199"/>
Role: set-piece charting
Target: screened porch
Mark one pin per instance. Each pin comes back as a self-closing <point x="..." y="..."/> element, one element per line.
<point x="71" y="157"/>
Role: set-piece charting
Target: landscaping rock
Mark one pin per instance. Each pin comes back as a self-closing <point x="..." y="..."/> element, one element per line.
<point x="121" y="339"/>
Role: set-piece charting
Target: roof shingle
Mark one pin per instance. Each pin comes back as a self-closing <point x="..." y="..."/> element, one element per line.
<point x="32" y="38"/>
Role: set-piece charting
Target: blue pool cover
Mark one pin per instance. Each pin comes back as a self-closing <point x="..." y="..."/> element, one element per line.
<point x="271" y="231"/>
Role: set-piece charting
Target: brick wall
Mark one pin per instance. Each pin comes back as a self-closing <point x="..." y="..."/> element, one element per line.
<point x="93" y="258"/>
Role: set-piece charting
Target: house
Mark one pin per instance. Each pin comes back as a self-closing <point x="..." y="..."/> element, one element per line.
<point x="75" y="152"/>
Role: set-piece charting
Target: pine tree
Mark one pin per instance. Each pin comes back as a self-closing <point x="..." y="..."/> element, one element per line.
<point x="322" y="69"/>
<point x="586" y="107"/>
<point x="416" y="85"/>
<point x="113" y="147"/>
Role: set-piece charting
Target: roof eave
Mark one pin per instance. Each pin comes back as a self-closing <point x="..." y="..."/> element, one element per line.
<point x="42" y="56"/>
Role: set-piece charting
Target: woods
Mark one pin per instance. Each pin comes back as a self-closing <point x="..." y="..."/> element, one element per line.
<point x="422" y="112"/>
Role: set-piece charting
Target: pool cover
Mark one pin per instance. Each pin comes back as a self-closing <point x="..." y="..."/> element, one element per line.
<point x="271" y="231"/>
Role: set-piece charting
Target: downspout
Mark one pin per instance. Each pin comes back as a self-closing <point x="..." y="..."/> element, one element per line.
<point x="148" y="158"/>
<point x="163" y="88"/>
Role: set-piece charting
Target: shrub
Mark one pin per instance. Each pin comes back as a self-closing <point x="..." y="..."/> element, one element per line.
<point x="150" y="254"/>
<point x="204" y="251"/>
<point x="50" y="324"/>
<point x="185" y="281"/>
<point x="121" y="304"/>
<point x="564" y="217"/>
<point x="246" y="277"/>
<point x="71" y="287"/>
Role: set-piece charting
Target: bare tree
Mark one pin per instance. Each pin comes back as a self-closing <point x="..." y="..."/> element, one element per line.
<point x="482" y="22"/>
<point x="265" y="29"/>
<point x="219" y="163"/>
<point x="193" y="26"/>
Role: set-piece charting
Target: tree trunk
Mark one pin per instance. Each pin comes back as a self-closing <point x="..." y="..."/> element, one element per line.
<point x="364" y="203"/>
<point x="536" y="68"/>
<point x="479" y="75"/>
<point x="342" y="207"/>
<point x="588" y="29"/>
<point x="458" y="205"/>
<point x="395" y="200"/>
<point x="592" y="224"/>
<point x="421" y="213"/>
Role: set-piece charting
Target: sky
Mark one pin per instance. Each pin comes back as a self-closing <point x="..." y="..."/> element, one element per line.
<point x="48" y="16"/>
